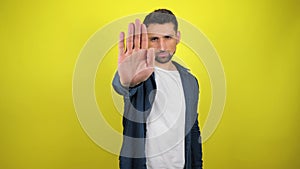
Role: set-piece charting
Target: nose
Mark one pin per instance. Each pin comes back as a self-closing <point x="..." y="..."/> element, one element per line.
<point x="162" y="44"/>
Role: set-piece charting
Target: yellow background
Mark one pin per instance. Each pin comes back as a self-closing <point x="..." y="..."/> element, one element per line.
<point x="258" y="44"/>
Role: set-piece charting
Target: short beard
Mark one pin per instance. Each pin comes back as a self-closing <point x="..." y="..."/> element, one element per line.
<point x="164" y="59"/>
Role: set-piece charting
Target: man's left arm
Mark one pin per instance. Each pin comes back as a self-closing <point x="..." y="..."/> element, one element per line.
<point x="196" y="146"/>
<point x="196" y="141"/>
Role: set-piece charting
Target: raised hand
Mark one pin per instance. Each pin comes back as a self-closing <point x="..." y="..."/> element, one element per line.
<point x="136" y="62"/>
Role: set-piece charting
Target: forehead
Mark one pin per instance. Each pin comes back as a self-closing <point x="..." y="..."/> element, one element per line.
<point x="161" y="29"/>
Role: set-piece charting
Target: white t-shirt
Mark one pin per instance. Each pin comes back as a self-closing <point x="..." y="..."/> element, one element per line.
<point x="166" y="123"/>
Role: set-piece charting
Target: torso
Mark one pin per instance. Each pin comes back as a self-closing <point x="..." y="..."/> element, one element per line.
<point x="166" y="123"/>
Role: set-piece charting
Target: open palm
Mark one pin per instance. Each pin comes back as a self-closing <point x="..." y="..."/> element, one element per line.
<point x="136" y="62"/>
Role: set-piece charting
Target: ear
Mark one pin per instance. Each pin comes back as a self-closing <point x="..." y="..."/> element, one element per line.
<point x="178" y="37"/>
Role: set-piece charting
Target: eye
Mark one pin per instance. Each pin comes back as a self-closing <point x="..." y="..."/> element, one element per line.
<point x="168" y="37"/>
<point x="154" y="39"/>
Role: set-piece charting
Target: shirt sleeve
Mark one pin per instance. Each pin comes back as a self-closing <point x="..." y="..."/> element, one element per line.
<point x="122" y="90"/>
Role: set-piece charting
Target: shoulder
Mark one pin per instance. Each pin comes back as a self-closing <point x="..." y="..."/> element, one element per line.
<point x="183" y="70"/>
<point x="186" y="75"/>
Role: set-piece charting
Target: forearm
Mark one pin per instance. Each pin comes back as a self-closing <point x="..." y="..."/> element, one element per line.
<point x="122" y="90"/>
<point x="196" y="146"/>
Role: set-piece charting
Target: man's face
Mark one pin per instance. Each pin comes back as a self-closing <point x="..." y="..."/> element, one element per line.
<point x="163" y="38"/>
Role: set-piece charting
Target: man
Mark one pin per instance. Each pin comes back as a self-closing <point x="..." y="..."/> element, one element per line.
<point x="160" y="125"/>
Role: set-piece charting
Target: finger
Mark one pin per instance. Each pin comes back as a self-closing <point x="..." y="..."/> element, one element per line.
<point x="121" y="47"/>
<point x="137" y="34"/>
<point x="144" y="42"/>
<point x="129" y="40"/>
<point x="150" y="57"/>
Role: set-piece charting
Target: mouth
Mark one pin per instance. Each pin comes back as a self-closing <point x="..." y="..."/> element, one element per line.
<point x="163" y="54"/>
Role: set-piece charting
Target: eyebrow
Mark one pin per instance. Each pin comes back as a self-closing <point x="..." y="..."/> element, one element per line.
<point x="153" y="36"/>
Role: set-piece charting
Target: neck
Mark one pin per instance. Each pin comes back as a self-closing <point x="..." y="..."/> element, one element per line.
<point x="167" y="66"/>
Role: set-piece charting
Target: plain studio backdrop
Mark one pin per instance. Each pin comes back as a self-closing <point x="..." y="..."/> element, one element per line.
<point x="258" y="45"/>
